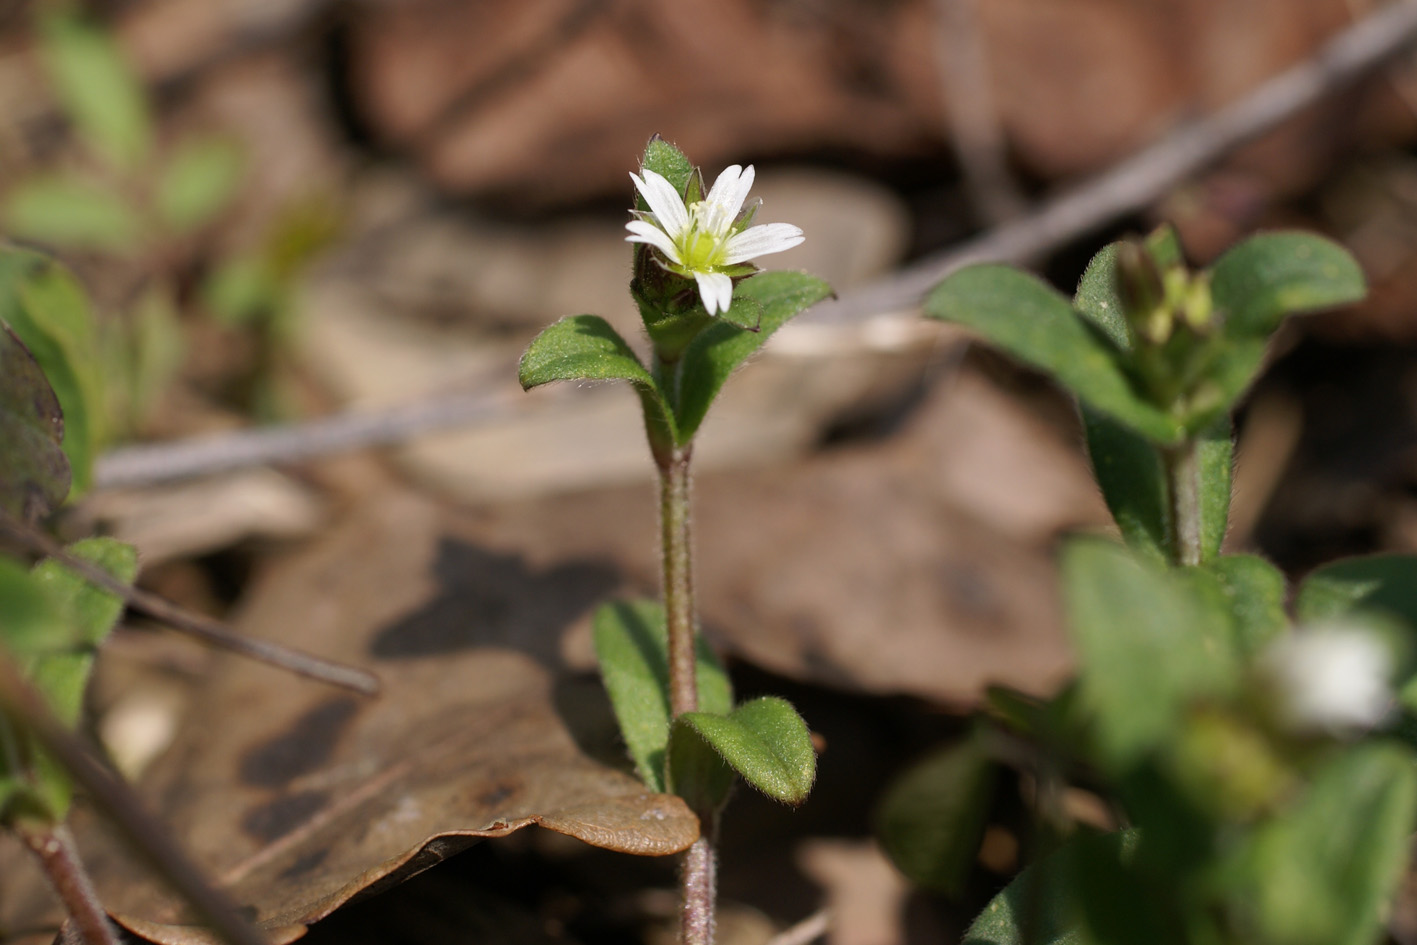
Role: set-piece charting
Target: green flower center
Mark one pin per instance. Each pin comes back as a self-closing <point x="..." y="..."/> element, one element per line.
<point x="701" y="249"/>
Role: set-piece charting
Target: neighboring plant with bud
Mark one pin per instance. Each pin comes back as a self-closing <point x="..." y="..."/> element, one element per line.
<point x="1254" y="742"/>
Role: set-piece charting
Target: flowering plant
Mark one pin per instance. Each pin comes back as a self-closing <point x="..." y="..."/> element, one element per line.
<point x="705" y="310"/>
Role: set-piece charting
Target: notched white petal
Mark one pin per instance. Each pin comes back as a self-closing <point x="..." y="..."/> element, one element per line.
<point x="644" y="232"/>
<point x="761" y="240"/>
<point x="716" y="289"/>
<point x="664" y="201"/>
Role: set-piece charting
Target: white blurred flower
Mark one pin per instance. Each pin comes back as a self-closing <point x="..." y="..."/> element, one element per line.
<point x="705" y="240"/>
<point x="1332" y="678"/>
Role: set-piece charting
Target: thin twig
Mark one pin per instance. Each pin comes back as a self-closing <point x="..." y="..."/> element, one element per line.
<point x="53" y="846"/>
<point x="975" y="130"/>
<point x="21" y="702"/>
<point x="1127" y="187"/>
<point x="805" y="932"/>
<point x="212" y="632"/>
<point x="159" y="463"/>
<point x="1138" y="181"/>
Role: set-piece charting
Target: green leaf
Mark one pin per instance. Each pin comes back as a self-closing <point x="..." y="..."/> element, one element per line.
<point x="241" y="291"/>
<point x="53" y="623"/>
<point x="764" y="740"/>
<point x="931" y="819"/>
<point x="34" y="472"/>
<point x="632" y="648"/>
<point x="1260" y="281"/>
<point x="89" y="613"/>
<point x="1043" y="905"/>
<point x="1324" y="872"/>
<point x="668" y="162"/>
<point x="1385" y="583"/>
<point x="74" y="213"/>
<point x="198" y="182"/>
<point x="1150" y="642"/>
<point x="1099" y="300"/>
<point x="1028" y="319"/>
<point x="718" y="350"/>
<point x="1255" y="590"/>
<point x="33" y="622"/>
<point x="48" y="310"/>
<point x="1276" y="274"/>
<point x="587" y="348"/>
<point x="98" y="89"/>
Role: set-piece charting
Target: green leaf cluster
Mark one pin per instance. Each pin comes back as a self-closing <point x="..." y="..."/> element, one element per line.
<point x="1243" y="826"/>
<point x="54" y="621"/>
<point x="696" y="755"/>
<point x="1156" y="356"/>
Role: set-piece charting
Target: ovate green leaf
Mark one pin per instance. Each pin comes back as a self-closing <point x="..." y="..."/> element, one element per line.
<point x="632" y="648"/>
<point x="718" y="351"/>
<point x="587" y="348"/>
<point x="1260" y="281"/>
<point x="73" y="213"/>
<point x="764" y="740"/>
<point x="98" y="89"/>
<point x="1150" y="642"/>
<point x="1032" y="322"/>
<point x="931" y="819"/>
<point x="198" y="182"/>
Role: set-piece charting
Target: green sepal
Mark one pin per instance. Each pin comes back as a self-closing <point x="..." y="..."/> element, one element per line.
<point x="1257" y="283"/>
<point x="718" y="350"/>
<point x="764" y="740"/>
<point x="632" y="648"/>
<point x="587" y="348"/>
<point x="47" y="308"/>
<point x="1035" y="324"/>
<point x="1150" y="642"/>
<point x="746" y="312"/>
<point x="668" y="162"/>
<point x="34" y="471"/>
<point x="931" y="819"/>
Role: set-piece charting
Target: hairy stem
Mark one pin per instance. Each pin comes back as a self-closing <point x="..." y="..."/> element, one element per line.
<point x="54" y="847"/>
<point x="678" y="581"/>
<point x="698" y="889"/>
<point x="698" y="873"/>
<point x="1184" y="486"/>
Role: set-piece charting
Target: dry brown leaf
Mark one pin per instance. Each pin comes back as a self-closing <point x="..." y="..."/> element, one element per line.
<point x="300" y="799"/>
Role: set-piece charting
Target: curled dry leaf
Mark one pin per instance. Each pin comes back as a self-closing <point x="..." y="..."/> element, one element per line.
<point x="34" y="473"/>
<point x="299" y="800"/>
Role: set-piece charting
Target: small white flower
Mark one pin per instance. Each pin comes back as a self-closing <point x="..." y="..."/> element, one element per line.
<point x="1332" y="678"/>
<point x="705" y="238"/>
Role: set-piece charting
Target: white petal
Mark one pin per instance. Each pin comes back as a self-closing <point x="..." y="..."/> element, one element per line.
<point x="645" y="232"/>
<point x="716" y="290"/>
<point x="664" y="202"/>
<point x="762" y="240"/>
<point x="725" y="198"/>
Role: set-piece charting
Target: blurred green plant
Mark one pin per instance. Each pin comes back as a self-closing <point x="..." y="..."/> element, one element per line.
<point x="1254" y="751"/>
<point x="131" y="194"/>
